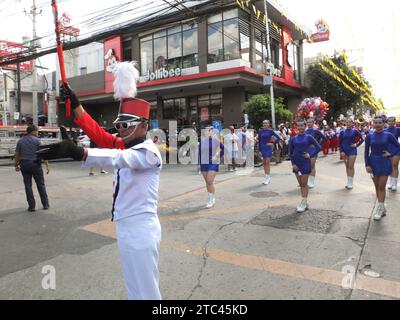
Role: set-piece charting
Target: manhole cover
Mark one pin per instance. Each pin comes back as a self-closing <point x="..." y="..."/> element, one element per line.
<point x="285" y="217"/>
<point x="268" y="194"/>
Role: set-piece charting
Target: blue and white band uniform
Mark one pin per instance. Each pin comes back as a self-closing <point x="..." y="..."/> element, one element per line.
<point x="347" y="139"/>
<point x="264" y="138"/>
<point x="395" y="131"/>
<point x="136" y="182"/>
<point x="318" y="136"/>
<point x="375" y="145"/>
<point x="298" y="146"/>
<point x="210" y="150"/>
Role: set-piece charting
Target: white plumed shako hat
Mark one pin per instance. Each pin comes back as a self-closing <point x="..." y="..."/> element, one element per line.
<point x="125" y="90"/>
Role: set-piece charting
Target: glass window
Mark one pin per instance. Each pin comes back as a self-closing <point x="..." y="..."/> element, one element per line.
<point x="153" y="110"/>
<point x="231" y="40"/>
<point x="215" y="18"/>
<point x="169" y="110"/>
<point x="296" y="64"/>
<point x="189" y="26"/>
<point x="216" y="96"/>
<point x="215" y="43"/>
<point x="181" y="104"/>
<point x="147" y="38"/>
<point x="231" y="14"/>
<point x="290" y="55"/>
<point x="223" y="38"/>
<point x="159" y="34"/>
<point x="244" y="40"/>
<point x="175" y="30"/>
<point x="259" y="53"/>
<point x="175" y="51"/>
<point x="204" y="98"/>
<point x="216" y="107"/>
<point x="264" y="47"/>
<point x="127" y="43"/>
<point x="127" y="54"/>
<point x="160" y="53"/>
<point x="146" y="57"/>
<point x="193" y="109"/>
<point x="276" y="52"/>
<point x="190" y="48"/>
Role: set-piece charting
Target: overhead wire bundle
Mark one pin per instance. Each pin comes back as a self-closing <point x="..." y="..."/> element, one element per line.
<point x="102" y="23"/>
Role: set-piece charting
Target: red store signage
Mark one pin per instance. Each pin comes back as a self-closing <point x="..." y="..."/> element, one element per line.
<point x="323" y="32"/>
<point x="11" y="50"/>
<point x="112" y="54"/>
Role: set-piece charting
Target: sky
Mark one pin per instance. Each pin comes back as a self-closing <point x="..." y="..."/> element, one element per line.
<point x="368" y="30"/>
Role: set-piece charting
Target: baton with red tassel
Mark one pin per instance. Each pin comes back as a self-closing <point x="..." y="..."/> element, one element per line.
<point x="60" y="54"/>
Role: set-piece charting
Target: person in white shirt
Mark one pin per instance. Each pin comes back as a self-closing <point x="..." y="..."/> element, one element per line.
<point x="137" y="166"/>
<point x="246" y="119"/>
<point x="231" y="141"/>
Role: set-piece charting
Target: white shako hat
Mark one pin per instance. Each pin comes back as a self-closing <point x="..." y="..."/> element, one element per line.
<point x="125" y="90"/>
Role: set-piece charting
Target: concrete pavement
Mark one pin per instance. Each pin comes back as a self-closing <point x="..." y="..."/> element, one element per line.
<point x="252" y="245"/>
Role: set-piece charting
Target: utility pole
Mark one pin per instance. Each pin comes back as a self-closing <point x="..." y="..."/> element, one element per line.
<point x="269" y="63"/>
<point x="33" y="12"/>
<point x="18" y="92"/>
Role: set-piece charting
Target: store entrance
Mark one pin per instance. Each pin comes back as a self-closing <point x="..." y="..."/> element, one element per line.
<point x="209" y="108"/>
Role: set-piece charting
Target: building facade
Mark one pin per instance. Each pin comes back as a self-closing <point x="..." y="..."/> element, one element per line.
<point x="198" y="70"/>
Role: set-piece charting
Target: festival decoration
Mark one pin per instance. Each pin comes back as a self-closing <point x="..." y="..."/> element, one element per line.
<point x="314" y="108"/>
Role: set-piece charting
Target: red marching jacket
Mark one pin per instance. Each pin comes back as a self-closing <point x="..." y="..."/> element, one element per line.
<point x="102" y="138"/>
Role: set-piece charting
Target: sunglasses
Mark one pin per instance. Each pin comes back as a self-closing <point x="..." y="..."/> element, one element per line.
<point x="126" y="125"/>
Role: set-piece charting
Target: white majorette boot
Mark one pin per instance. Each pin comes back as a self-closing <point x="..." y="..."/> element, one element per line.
<point x="311" y="182"/>
<point x="349" y="185"/>
<point x="394" y="184"/>
<point x="390" y="183"/>
<point x="303" y="206"/>
<point x="211" y="201"/>
<point x="267" y="180"/>
<point x="380" y="211"/>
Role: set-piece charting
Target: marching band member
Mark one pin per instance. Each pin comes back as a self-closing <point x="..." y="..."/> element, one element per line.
<point x="137" y="166"/>
<point x="210" y="151"/>
<point x="348" y="149"/>
<point x="266" y="139"/>
<point x="379" y="147"/>
<point x="326" y="132"/>
<point x="334" y="138"/>
<point x="319" y="137"/>
<point x="302" y="148"/>
<point x="395" y="159"/>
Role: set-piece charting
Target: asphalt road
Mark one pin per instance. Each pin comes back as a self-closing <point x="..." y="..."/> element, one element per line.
<point x="252" y="245"/>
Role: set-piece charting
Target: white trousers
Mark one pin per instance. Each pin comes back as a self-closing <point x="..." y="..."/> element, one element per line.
<point x="138" y="240"/>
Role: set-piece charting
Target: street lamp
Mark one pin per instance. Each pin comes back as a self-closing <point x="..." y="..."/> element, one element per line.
<point x="269" y="63"/>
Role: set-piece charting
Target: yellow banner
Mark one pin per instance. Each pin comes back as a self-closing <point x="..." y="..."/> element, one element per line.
<point x="365" y="89"/>
<point x="348" y="87"/>
<point x="337" y="78"/>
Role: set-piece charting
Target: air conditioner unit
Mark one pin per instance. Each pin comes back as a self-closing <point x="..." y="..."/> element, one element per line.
<point x="12" y="94"/>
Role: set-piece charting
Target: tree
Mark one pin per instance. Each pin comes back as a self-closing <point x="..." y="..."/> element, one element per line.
<point x="340" y="99"/>
<point x="259" y="109"/>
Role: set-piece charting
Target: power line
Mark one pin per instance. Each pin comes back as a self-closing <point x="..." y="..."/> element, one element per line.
<point x="141" y="23"/>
